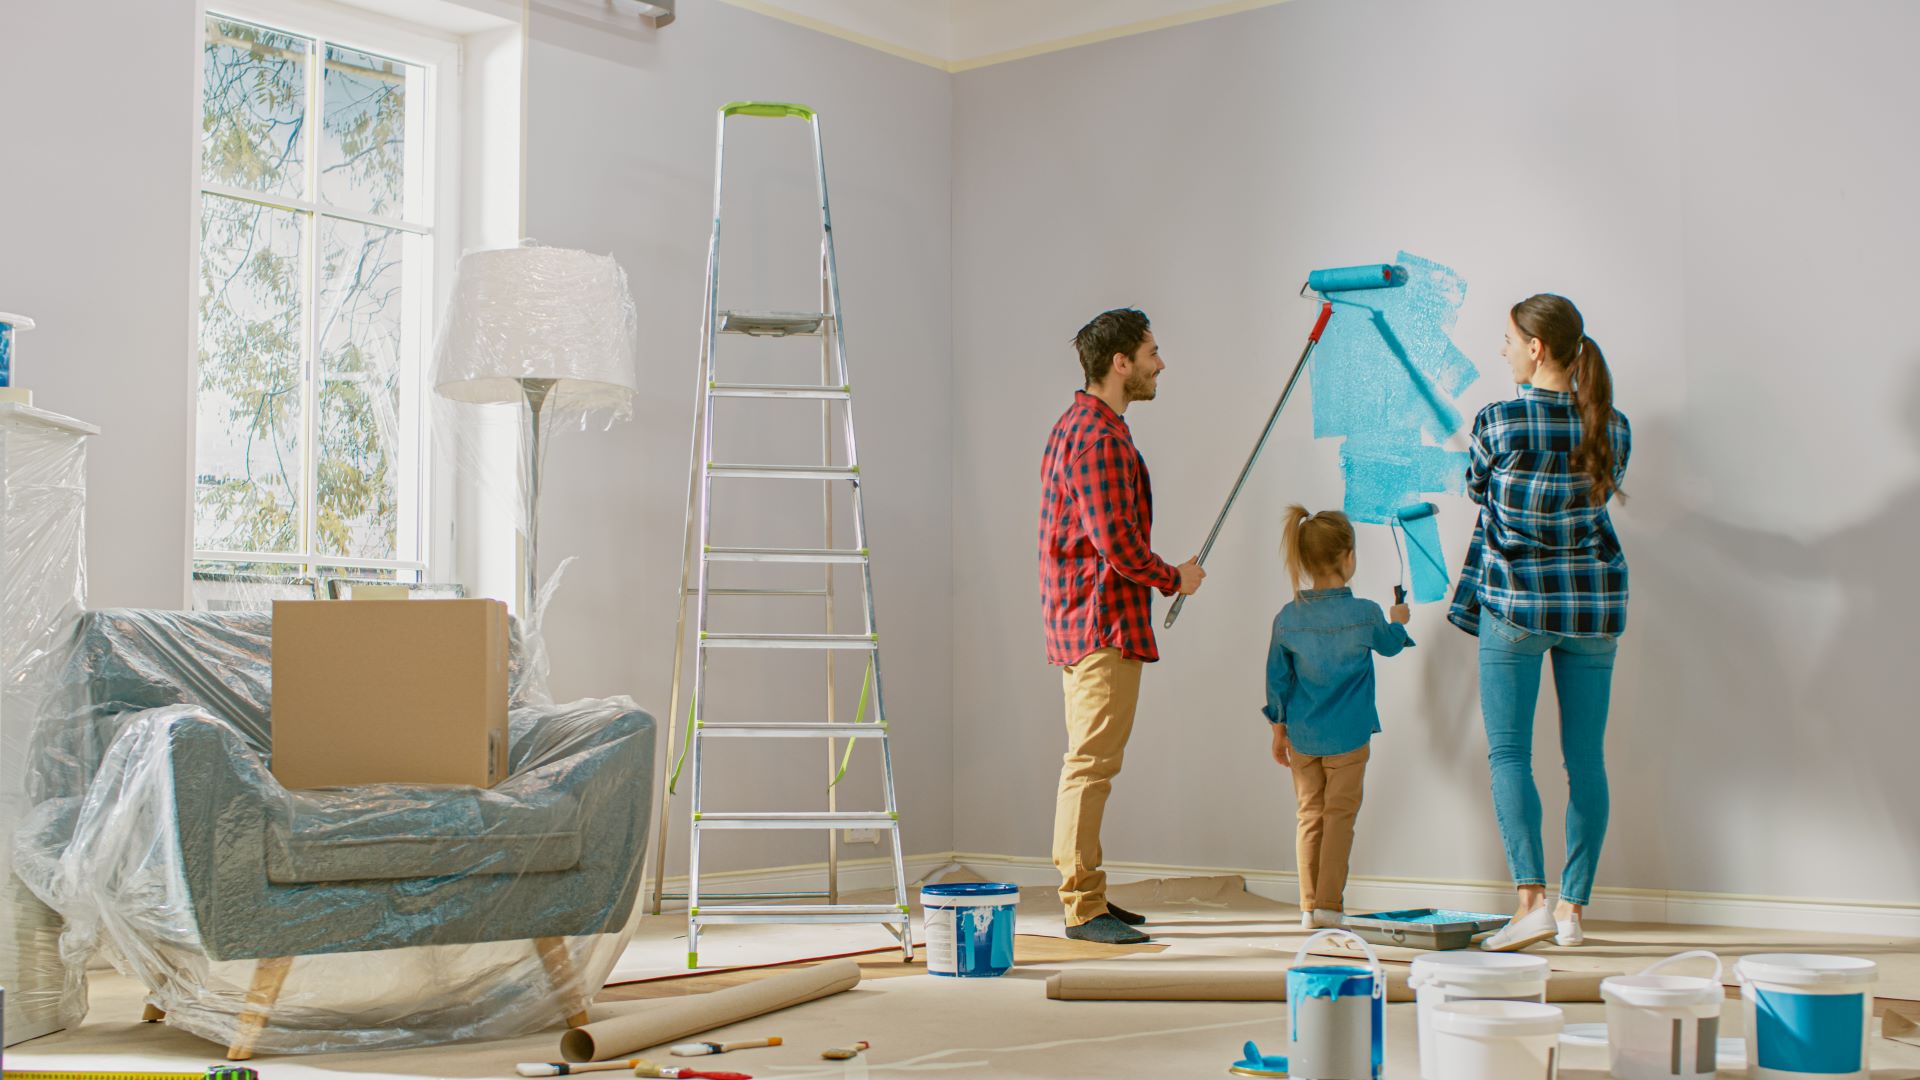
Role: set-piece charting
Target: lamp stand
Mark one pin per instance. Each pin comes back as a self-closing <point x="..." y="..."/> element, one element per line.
<point x="536" y="391"/>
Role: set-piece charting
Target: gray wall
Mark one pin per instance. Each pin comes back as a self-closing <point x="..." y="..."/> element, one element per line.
<point x="620" y="158"/>
<point x="96" y="210"/>
<point x="1722" y="187"/>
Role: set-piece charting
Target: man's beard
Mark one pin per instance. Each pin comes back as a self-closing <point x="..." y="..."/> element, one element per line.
<point x="1139" y="387"/>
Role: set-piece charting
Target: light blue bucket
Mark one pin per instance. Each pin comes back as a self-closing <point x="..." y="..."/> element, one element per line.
<point x="8" y="324"/>
<point x="969" y="928"/>
<point x="1808" y="1016"/>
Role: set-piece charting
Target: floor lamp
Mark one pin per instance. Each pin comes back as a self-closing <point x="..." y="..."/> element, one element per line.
<point x="548" y="328"/>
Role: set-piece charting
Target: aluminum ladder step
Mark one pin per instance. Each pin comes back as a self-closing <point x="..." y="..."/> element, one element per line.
<point x="790" y="731"/>
<point x="862" y="642"/>
<point x="809" y="912"/>
<point x="780" y="390"/>
<point x="784" y="472"/>
<point x="773" y="323"/>
<point x="694" y="590"/>
<point x="784" y="819"/>
<point x="785" y="555"/>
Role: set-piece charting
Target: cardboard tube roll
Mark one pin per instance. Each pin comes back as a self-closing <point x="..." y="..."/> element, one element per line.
<point x="1118" y="984"/>
<point x="666" y="1021"/>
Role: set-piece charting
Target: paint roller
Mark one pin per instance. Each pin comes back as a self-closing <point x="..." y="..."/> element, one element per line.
<point x="1401" y="517"/>
<point x="1320" y="283"/>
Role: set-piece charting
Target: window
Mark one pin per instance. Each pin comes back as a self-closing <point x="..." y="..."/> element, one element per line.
<point x="322" y="249"/>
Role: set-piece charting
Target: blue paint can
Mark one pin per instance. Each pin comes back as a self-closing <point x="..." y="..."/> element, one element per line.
<point x="1808" y="1016"/>
<point x="969" y="928"/>
<point x="8" y="324"/>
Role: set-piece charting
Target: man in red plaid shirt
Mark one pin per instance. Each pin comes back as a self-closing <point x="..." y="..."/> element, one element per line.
<point x="1096" y="567"/>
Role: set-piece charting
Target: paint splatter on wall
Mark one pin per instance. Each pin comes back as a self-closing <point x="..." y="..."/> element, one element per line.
<point x="1386" y="376"/>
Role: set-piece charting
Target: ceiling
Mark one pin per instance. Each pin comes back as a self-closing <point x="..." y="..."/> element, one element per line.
<point x="959" y="35"/>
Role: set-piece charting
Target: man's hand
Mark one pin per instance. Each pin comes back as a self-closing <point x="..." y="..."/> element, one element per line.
<point x="1400" y="614"/>
<point x="1191" y="575"/>
<point x="1282" y="749"/>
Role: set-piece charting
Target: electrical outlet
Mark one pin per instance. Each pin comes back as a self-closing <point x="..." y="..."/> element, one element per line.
<point x="860" y="836"/>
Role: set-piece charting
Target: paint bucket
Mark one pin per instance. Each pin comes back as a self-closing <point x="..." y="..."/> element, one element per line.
<point x="1336" y="1016"/>
<point x="1471" y="976"/>
<point x="969" y="928"/>
<point x="1808" y="1017"/>
<point x="1495" y="1040"/>
<point x="8" y="324"/>
<point x="1660" y="1027"/>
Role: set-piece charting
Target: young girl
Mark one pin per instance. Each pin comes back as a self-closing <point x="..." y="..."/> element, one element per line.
<point x="1320" y="699"/>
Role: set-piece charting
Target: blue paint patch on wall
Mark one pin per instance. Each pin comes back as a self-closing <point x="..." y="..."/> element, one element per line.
<point x="1386" y="378"/>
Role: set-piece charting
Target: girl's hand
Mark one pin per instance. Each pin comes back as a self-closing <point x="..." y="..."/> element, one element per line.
<point x="1282" y="749"/>
<point x="1400" y="614"/>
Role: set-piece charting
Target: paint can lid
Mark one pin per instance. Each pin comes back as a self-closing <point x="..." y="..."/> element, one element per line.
<point x="1498" y="1018"/>
<point x="971" y="888"/>
<point x="1806" y="969"/>
<point x="1657" y="991"/>
<point x="1463" y="968"/>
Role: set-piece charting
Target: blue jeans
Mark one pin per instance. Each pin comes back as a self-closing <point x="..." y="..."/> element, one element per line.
<point x="1509" y="687"/>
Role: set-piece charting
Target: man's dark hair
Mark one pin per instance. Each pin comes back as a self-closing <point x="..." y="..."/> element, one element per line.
<point x="1118" y="331"/>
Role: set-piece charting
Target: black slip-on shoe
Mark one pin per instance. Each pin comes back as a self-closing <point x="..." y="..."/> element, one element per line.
<point x="1107" y="930"/>
<point x="1124" y="915"/>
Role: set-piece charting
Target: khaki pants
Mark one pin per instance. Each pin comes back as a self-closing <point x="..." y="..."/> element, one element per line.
<point x="1101" y="693"/>
<point x="1328" y="789"/>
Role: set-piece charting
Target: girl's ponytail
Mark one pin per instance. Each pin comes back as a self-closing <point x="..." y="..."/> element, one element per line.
<point x="1290" y="544"/>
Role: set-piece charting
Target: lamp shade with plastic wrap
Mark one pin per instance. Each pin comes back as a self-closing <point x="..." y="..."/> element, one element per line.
<point x="539" y="313"/>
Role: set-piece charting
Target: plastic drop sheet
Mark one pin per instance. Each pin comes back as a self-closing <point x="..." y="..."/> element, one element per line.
<point x="42" y="588"/>
<point x="413" y="914"/>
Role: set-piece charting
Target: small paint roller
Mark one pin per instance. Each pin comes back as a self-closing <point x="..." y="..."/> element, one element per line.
<point x="701" y="1049"/>
<point x="1320" y="282"/>
<point x="1409" y="512"/>
<point x="842" y="1053"/>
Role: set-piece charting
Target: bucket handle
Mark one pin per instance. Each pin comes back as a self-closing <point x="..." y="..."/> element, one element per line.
<point x="1678" y="957"/>
<point x="1379" y="972"/>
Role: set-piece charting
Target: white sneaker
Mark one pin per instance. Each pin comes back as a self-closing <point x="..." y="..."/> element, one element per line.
<point x="1306" y="919"/>
<point x="1536" y="927"/>
<point x="1328" y="920"/>
<point x="1570" y="933"/>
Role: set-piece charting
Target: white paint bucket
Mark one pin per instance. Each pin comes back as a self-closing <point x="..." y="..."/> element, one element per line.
<point x="1808" y="1016"/>
<point x="1471" y="976"/>
<point x="968" y="928"/>
<point x="1660" y="1027"/>
<point x="1496" y="1040"/>
<point x="1336" y="1016"/>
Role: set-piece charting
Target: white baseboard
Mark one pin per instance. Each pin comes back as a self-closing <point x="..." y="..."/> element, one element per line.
<point x="1865" y="918"/>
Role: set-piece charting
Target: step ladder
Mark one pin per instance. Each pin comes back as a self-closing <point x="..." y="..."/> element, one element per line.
<point x="834" y="394"/>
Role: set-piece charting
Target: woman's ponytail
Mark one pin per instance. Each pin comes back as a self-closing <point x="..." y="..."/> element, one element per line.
<point x="1556" y="323"/>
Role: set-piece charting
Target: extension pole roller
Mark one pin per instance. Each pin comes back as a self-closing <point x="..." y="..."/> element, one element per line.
<point x="1341" y="279"/>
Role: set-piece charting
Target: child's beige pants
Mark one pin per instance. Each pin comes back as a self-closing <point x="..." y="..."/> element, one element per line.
<point x="1328" y="789"/>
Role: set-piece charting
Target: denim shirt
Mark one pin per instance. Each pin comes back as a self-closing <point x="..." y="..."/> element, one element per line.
<point x="1320" y="669"/>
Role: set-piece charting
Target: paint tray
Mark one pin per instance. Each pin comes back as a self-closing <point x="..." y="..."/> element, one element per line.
<point x="1424" y="928"/>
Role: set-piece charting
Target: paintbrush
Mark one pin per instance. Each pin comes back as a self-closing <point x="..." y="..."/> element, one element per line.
<point x="701" y="1049"/>
<point x="843" y="1053"/>
<point x="640" y="1067"/>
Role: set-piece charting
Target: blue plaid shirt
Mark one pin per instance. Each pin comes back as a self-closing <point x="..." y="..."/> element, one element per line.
<point x="1542" y="557"/>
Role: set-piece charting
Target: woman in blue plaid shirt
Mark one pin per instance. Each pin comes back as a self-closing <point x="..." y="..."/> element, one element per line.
<point x="1545" y="576"/>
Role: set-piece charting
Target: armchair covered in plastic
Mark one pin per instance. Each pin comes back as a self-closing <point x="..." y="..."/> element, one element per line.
<point x="280" y="921"/>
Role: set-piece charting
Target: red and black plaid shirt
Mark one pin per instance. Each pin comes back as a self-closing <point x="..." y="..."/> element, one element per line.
<point x="1096" y="521"/>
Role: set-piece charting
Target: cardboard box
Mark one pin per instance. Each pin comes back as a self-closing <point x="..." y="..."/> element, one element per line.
<point x="376" y="693"/>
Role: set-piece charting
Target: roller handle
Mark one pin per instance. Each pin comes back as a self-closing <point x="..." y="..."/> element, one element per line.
<point x="1399" y="594"/>
<point x="765" y="108"/>
<point x="1320" y="324"/>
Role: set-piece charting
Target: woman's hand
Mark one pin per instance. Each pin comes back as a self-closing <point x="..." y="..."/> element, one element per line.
<point x="1282" y="749"/>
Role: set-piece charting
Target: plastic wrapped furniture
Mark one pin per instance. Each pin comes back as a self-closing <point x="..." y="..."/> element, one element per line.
<point x="43" y="499"/>
<point x="386" y="915"/>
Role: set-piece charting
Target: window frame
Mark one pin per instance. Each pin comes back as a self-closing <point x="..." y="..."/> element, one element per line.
<point x="441" y="57"/>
